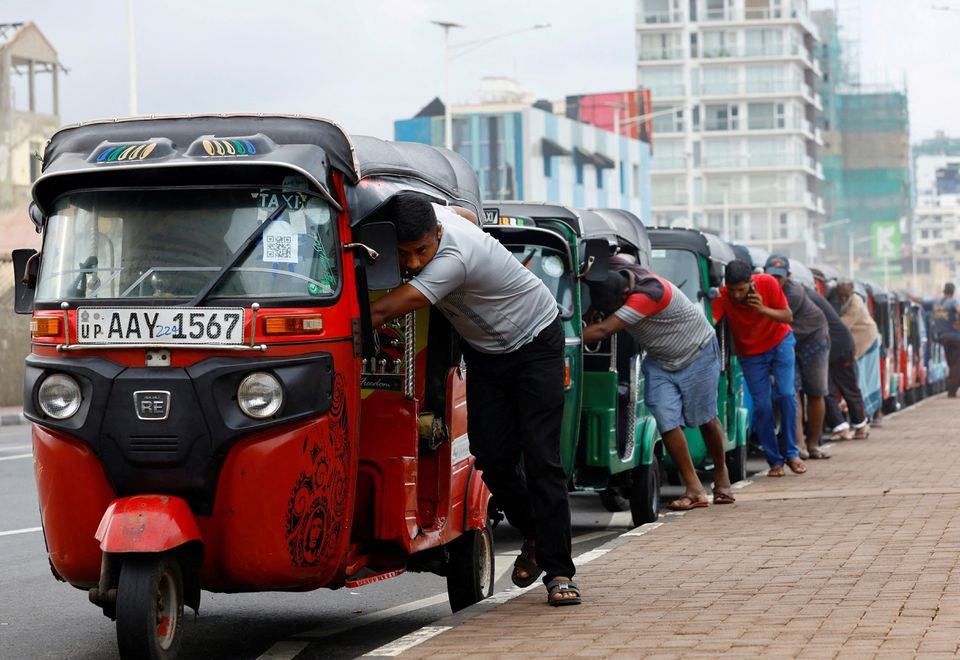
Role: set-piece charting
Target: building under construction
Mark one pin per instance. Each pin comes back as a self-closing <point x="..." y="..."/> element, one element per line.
<point x="866" y="162"/>
<point x="29" y="114"/>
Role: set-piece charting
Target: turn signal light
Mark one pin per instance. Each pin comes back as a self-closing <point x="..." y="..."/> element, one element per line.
<point x="566" y="372"/>
<point x="45" y="327"/>
<point x="289" y="325"/>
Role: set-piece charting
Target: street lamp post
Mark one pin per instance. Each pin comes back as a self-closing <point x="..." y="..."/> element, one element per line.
<point x="447" y="116"/>
<point x="470" y="45"/>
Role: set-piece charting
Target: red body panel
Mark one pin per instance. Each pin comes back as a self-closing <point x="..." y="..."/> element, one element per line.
<point x="284" y="508"/>
<point x="73" y="493"/>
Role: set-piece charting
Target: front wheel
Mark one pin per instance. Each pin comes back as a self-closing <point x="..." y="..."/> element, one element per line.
<point x="645" y="493"/>
<point x="470" y="568"/>
<point x="149" y="608"/>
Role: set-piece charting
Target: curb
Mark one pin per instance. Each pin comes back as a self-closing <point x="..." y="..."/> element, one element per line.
<point x="13" y="419"/>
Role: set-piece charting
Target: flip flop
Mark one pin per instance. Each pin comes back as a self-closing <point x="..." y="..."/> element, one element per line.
<point x="818" y="454"/>
<point x="720" y="497"/>
<point x="776" y="471"/>
<point x="685" y="503"/>
<point x="796" y="465"/>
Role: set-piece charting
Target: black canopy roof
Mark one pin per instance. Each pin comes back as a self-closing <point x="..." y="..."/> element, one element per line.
<point x="630" y="227"/>
<point x="538" y="211"/>
<point x="93" y="153"/>
<point x="708" y="245"/>
<point x="387" y="168"/>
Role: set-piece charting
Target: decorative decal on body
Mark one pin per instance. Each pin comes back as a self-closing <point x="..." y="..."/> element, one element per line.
<point x="317" y="510"/>
<point x="229" y="147"/>
<point x="126" y="152"/>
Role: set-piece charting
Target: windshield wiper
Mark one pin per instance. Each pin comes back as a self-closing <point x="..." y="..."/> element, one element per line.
<point x="236" y="258"/>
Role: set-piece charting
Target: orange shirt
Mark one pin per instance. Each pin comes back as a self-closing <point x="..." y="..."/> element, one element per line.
<point x="753" y="333"/>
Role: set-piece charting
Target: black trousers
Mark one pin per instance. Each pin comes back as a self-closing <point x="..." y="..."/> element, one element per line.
<point x="843" y="377"/>
<point x="951" y="347"/>
<point x="515" y="409"/>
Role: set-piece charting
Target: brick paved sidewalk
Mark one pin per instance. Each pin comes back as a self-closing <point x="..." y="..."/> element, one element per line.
<point x="857" y="558"/>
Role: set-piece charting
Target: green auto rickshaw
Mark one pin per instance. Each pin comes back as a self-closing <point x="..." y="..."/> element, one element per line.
<point x="694" y="262"/>
<point x="610" y="444"/>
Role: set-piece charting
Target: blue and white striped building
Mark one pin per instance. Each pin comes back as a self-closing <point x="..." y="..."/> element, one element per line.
<point x="523" y="151"/>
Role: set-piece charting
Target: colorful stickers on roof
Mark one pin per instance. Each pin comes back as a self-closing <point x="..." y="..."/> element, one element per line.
<point x="229" y="147"/>
<point x="126" y="152"/>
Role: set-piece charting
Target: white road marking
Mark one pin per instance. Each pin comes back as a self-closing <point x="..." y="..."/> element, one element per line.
<point x="643" y="529"/>
<point x="284" y="650"/>
<point x="407" y="642"/>
<point x="15" y="447"/>
<point x="25" y="530"/>
<point x="15" y="457"/>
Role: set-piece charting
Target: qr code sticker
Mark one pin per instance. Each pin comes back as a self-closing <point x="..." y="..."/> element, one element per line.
<point x="280" y="248"/>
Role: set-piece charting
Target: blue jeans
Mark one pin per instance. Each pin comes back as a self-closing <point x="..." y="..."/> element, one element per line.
<point x="778" y="362"/>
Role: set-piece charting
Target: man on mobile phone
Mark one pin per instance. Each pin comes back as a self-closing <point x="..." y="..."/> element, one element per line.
<point x="759" y="318"/>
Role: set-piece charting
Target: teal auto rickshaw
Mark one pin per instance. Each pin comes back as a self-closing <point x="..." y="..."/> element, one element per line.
<point x="694" y="262"/>
<point x="610" y="444"/>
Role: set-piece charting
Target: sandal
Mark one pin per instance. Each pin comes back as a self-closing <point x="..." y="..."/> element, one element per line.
<point x="527" y="563"/>
<point x="685" y="503"/>
<point x="797" y="465"/>
<point x="557" y="590"/>
<point x="722" y="497"/>
<point x="776" y="471"/>
<point x="846" y="434"/>
<point x="818" y="453"/>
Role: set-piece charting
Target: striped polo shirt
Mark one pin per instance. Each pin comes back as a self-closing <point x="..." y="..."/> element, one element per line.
<point x="665" y="323"/>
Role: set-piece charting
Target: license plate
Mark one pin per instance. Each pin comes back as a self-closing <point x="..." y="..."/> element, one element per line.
<point x="160" y="325"/>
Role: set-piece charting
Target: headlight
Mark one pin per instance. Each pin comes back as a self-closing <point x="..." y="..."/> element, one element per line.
<point x="260" y="395"/>
<point x="59" y="396"/>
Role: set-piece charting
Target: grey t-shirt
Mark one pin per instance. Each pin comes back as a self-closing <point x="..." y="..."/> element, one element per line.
<point x="808" y="323"/>
<point x="495" y="303"/>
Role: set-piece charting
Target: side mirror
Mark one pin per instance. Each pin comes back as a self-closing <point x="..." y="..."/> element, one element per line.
<point x="596" y="260"/>
<point x="36" y="216"/>
<point x="382" y="262"/>
<point x="26" y="264"/>
<point x="714" y="273"/>
<point x="713" y="293"/>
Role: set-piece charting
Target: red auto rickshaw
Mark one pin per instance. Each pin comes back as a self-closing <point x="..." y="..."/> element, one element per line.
<point x="211" y="407"/>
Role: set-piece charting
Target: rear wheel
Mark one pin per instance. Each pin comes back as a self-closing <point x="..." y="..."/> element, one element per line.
<point x="737" y="463"/>
<point x="149" y="608"/>
<point x="470" y="568"/>
<point x="645" y="493"/>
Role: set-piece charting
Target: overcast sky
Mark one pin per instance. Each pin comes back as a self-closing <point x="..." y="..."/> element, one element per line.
<point x="365" y="63"/>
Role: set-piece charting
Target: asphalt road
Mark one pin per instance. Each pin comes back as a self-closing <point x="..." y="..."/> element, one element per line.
<point x="41" y="618"/>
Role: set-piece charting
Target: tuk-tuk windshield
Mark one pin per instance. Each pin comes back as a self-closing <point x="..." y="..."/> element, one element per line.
<point x="549" y="266"/>
<point x="680" y="267"/>
<point x="136" y="244"/>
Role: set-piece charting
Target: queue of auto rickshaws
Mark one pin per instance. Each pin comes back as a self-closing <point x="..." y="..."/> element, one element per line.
<point x="213" y="409"/>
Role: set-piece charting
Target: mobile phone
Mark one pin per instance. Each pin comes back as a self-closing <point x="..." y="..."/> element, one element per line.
<point x="753" y="287"/>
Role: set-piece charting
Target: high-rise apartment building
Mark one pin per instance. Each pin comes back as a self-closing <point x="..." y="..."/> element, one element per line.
<point x="735" y="136"/>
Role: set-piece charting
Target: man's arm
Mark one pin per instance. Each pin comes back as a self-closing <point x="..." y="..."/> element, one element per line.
<point x="783" y="315"/>
<point x="395" y="304"/>
<point x="597" y="331"/>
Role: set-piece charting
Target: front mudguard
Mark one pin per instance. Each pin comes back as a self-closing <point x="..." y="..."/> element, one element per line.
<point x="147" y="524"/>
